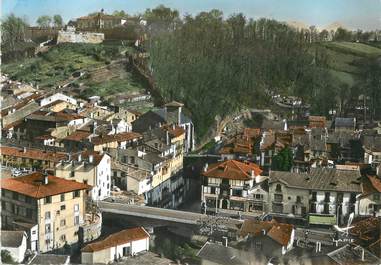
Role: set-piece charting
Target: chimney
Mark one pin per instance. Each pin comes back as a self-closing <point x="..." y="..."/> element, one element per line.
<point x="69" y="157"/>
<point x="362" y="254"/>
<point x="264" y="232"/>
<point x="206" y="167"/>
<point x="167" y="136"/>
<point x="91" y="159"/>
<point x="79" y="157"/>
<point x="252" y="174"/>
<point x="94" y="127"/>
<point x="179" y="118"/>
<point x="45" y="179"/>
<point x="24" y="149"/>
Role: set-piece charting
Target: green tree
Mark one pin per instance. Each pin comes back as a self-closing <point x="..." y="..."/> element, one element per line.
<point x="372" y="87"/>
<point x="217" y="66"/>
<point x="343" y="35"/>
<point x="120" y="13"/>
<point x="6" y="257"/>
<point x="57" y="21"/>
<point x="44" y="21"/>
<point x="283" y="160"/>
<point x="12" y="31"/>
<point x="161" y="19"/>
<point x="324" y="35"/>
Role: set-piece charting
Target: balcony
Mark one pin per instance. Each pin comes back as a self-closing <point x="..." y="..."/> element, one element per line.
<point x="278" y="198"/>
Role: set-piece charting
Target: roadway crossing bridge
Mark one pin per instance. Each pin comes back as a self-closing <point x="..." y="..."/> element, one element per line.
<point x="190" y="218"/>
<point x="164" y="214"/>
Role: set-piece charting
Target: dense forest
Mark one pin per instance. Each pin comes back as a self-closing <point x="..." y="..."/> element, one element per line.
<point x="217" y="66"/>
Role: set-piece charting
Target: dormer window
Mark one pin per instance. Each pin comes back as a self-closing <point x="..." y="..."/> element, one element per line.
<point x="278" y="188"/>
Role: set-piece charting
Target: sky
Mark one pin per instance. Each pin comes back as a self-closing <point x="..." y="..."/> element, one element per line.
<point x="353" y="14"/>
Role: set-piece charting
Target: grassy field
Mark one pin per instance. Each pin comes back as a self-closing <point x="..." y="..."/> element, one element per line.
<point x="343" y="58"/>
<point x="360" y="49"/>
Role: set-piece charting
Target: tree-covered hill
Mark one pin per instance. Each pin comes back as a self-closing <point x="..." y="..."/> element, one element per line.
<point x="217" y="66"/>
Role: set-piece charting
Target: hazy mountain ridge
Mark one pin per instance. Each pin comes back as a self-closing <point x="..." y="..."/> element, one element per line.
<point x="299" y="25"/>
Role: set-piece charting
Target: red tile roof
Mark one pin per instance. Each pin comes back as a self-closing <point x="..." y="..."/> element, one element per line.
<point x="376" y="182"/>
<point x="366" y="228"/>
<point x="119" y="137"/>
<point x="176" y="132"/>
<point x="116" y="239"/>
<point x="255" y="228"/>
<point x="45" y="137"/>
<point x="77" y="136"/>
<point x="32" y="153"/>
<point x="85" y="156"/>
<point x="233" y="169"/>
<point x="32" y="185"/>
<point x="279" y="232"/>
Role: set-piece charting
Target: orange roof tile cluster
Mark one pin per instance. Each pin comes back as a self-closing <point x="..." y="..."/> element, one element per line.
<point x="32" y="153"/>
<point x="365" y="229"/>
<point x="32" y="185"/>
<point x="56" y="102"/>
<point x="279" y="232"/>
<point x="376" y="182"/>
<point x="44" y="137"/>
<point x="255" y="228"/>
<point x="176" y="132"/>
<point x="116" y="239"/>
<point x="233" y="169"/>
<point x="119" y="137"/>
<point x="77" y="136"/>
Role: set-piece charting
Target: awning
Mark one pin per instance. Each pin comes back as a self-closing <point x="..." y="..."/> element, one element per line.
<point x="322" y="219"/>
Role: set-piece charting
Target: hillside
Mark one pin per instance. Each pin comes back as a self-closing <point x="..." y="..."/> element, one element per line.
<point x="343" y="59"/>
<point x="102" y="65"/>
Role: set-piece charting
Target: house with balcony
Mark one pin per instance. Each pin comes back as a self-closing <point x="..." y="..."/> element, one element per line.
<point x="130" y="178"/>
<point x="117" y="140"/>
<point x="170" y="114"/>
<point x="323" y="195"/>
<point x="154" y="168"/>
<point x="54" y="205"/>
<point x="90" y="168"/>
<point x="370" y="198"/>
<point x="232" y="186"/>
<point x="30" y="157"/>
